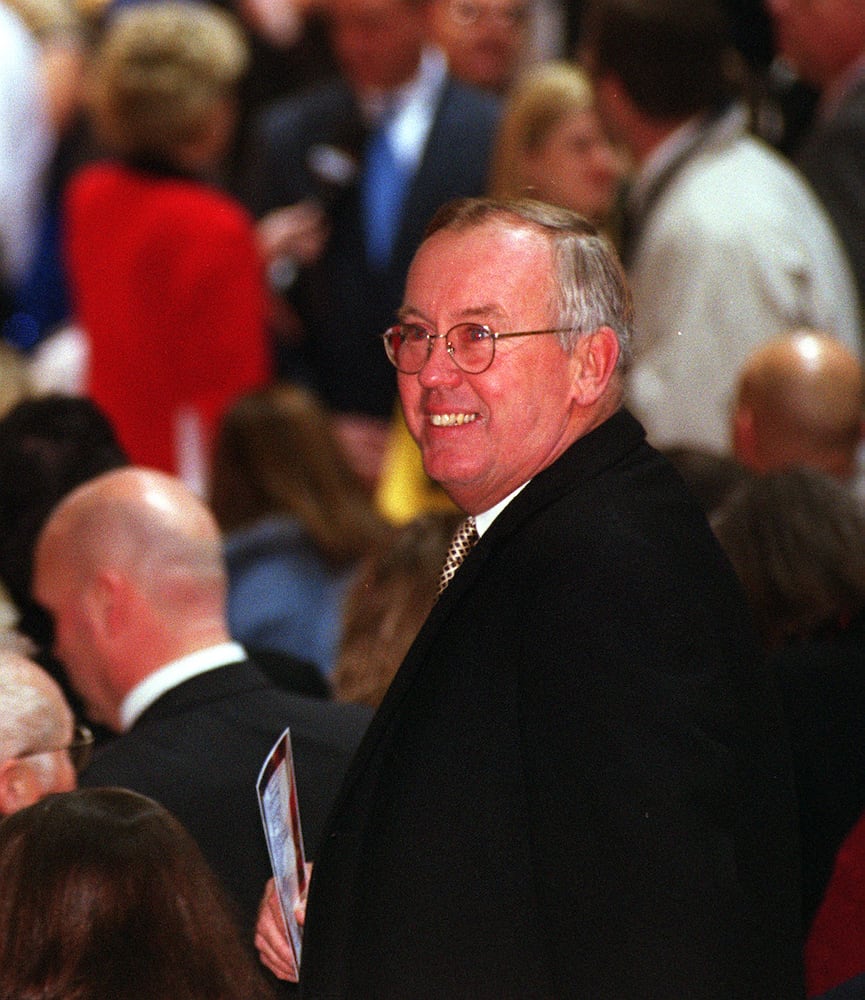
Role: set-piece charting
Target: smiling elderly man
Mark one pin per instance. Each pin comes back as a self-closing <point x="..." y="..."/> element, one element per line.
<point x="576" y="785"/>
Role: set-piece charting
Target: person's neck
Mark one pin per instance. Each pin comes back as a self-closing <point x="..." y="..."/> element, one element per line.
<point x="650" y="135"/>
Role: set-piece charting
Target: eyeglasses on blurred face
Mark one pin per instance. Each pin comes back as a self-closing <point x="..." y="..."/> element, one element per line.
<point x="80" y="749"/>
<point x="472" y="346"/>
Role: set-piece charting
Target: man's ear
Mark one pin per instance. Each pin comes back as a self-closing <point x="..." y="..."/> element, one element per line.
<point x="19" y="786"/>
<point x="596" y="356"/>
<point x="105" y="602"/>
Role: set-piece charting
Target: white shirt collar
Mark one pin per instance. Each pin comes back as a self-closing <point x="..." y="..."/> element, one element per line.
<point x="412" y="107"/>
<point x="155" y="685"/>
<point x="486" y="518"/>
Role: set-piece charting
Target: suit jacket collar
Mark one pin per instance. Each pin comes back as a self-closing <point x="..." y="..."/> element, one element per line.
<point x="214" y="685"/>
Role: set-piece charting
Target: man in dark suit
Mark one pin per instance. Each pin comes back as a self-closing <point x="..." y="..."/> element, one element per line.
<point x="577" y="784"/>
<point x="129" y="566"/>
<point x="315" y="180"/>
<point x="825" y="44"/>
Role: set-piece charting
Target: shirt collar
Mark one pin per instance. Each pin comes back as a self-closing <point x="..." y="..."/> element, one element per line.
<point x="661" y="156"/>
<point x="155" y="685"/>
<point x="486" y="518"/>
<point x="410" y="108"/>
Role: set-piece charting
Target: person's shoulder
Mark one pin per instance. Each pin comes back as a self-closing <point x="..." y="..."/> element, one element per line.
<point x="743" y="196"/>
<point x="96" y="179"/>
<point x="326" y="724"/>
<point x="743" y="164"/>
<point x="471" y="102"/>
<point x="277" y="555"/>
<point x="203" y="212"/>
<point x="771" y="188"/>
<point x="824" y="664"/>
<point x="314" y="105"/>
<point x="266" y="536"/>
<point x="120" y="761"/>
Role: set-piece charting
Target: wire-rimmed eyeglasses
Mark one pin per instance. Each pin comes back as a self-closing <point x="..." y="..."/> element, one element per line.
<point x="80" y="748"/>
<point x="472" y="346"/>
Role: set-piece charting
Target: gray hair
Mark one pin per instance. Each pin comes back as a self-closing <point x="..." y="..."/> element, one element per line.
<point x="29" y="701"/>
<point x="590" y="289"/>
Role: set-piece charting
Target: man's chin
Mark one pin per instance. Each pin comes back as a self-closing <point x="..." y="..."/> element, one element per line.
<point x="458" y="481"/>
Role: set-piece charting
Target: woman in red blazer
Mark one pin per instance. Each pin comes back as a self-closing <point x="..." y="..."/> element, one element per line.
<point x="167" y="281"/>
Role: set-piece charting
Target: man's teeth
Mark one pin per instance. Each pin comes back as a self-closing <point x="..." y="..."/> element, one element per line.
<point x="451" y="419"/>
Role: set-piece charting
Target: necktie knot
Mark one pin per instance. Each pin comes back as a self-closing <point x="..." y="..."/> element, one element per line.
<point x="464" y="538"/>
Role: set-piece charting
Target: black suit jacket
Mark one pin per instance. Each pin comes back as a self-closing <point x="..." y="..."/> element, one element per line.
<point x="577" y="785"/>
<point x="343" y="302"/>
<point x="198" y="751"/>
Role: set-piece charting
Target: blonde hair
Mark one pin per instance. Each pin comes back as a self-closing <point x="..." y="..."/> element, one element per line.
<point x="538" y="101"/>
<point x="160" y="72"/>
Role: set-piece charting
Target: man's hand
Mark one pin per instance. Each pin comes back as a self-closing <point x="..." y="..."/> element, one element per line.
<point x="273" y="947"/>
<point x="298" y="232"/>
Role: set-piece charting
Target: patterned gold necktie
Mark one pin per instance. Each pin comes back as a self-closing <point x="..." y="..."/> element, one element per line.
<point x="464" y="538"/>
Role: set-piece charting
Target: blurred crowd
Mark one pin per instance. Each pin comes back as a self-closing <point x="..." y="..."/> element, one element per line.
<point x="207" y="214"/>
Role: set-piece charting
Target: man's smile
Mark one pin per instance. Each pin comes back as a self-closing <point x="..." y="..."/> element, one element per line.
<point x="451" y="419"/>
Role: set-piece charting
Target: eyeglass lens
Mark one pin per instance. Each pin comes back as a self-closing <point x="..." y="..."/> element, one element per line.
<point x="470" y="345"/>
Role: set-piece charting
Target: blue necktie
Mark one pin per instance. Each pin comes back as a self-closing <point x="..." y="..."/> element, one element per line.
<point x="383" y="190"/>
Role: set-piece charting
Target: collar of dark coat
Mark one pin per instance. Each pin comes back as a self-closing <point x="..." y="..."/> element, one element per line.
<point x="212" y="685"/>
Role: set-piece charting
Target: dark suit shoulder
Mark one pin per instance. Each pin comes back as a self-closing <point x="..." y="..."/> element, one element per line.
<point x="466" y="122"/>
<point x="317" y="104"/>
<point x="471" y="101"/>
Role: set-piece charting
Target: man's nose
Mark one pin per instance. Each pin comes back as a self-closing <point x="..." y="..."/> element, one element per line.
<point x="440" y="367"/>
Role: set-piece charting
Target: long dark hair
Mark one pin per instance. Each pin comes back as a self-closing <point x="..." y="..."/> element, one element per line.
<point x="276" y="453"/>
<point x="104" y="894"/>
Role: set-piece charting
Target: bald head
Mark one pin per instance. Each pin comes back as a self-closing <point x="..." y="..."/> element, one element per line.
<point x="140" y="522"/>
<point x="800" y="402"/>
<point x="36" y="723"/>
<point x="130" y="567"/>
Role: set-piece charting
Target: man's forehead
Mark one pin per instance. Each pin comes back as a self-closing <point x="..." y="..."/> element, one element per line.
<point x="505" y="232"/>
